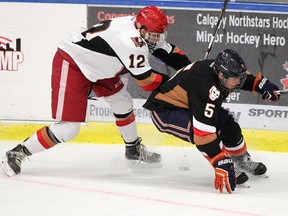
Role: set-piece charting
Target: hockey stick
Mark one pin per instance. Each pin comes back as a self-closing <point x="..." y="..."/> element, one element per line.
<point x="216" y="28"/>
<point x="282" y="92"/>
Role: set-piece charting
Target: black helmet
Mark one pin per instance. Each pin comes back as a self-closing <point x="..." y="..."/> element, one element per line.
<point x="231" y="65"/>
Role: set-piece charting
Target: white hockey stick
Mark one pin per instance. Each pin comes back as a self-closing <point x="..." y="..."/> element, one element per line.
<point x="216" y="28"/>
<point x="282" y="92"/>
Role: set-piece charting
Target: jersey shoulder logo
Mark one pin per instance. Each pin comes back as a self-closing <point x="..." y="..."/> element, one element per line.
<point x="214" y="93"/>
<point x="138" y="41"/>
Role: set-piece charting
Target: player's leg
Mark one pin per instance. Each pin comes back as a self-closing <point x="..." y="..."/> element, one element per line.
<point x="178" y="123"/>
<point x="69" y="104"/>
<point x="121" y="103"/>
<point x="233" y="140"/>
<point x="174" y="122"/>
<point x="43" y="139"/>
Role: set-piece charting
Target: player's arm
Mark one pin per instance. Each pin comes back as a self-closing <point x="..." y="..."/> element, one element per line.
<point x="261" y="85"/>
<point x="150" y="80"/>
<point x="135" y="58"/>
<point x="172" y="56"/>
<point x="208" y="143"/>
<point x="205" y="114"/>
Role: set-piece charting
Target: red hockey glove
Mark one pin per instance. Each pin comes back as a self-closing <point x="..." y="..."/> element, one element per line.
<point x="266" y="88"/>
<point x="224" y="172"/>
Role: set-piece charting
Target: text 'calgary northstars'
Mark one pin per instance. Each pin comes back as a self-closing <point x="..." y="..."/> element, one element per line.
<point x="246" y="22"/>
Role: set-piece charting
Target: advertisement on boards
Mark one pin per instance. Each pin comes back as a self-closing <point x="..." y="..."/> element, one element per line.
<point x="11" y="55"/>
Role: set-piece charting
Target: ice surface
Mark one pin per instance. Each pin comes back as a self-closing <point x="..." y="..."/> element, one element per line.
<point x="88" y="180"/>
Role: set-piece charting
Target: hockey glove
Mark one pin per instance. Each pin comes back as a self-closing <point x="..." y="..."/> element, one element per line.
<point x="266" y="88"/>
<point x="224" y="172"/>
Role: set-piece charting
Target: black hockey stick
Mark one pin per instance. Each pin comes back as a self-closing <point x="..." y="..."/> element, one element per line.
<point x="216" y="28"/>
<point x="282" y="92"/>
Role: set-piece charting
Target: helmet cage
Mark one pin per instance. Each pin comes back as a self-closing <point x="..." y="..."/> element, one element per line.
<point x="155" y="40"/>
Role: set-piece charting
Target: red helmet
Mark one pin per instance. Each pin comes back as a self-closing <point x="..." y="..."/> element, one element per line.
<point x="152" y="18"/>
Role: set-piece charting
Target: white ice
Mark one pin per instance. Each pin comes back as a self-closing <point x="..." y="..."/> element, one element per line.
<point x="90" y="180"/>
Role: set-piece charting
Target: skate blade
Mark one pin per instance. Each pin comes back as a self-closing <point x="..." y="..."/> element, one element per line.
<point x="6" y="168"/>
<point x="263" y="175"/>
<point x="245" y="184"/>
<point x="137" y="164"/>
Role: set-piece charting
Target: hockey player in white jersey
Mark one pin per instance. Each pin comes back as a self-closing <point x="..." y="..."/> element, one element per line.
<point x="93" y="60"/>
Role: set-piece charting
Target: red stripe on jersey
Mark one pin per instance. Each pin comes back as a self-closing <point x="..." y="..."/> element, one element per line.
<point x="237" y="152"/>
<point x="152" y="86"/>
<point x="200" y="133"/>
<point x="42" y="140"/>
<point x="181" y="52"/>
<point x="126" y="121"/>
<point x="207" y="157"/>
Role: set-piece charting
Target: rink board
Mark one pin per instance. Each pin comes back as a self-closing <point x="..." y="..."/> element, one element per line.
<point x="96" y="133"/>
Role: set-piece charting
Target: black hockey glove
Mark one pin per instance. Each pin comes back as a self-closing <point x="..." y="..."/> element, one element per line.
<point x="224" y="172"/>
<point x="266" y="88"/>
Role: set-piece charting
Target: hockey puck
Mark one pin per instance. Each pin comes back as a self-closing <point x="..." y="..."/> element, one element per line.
<point x="184" y="168"/>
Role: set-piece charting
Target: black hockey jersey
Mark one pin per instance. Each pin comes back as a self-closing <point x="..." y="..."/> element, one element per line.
<point x="196" y="88"/>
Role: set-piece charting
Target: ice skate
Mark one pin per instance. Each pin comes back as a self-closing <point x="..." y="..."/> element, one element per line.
<point x="137" y="153"/>
<point x="12" y="160"/>
<point x="246" y="164"/>
<point x="241" y="178"/>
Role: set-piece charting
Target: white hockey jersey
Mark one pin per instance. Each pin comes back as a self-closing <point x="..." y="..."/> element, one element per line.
<point x="107" y="48"/>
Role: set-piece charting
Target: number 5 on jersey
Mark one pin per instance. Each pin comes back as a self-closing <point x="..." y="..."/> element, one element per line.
<point x="209" y="110"/>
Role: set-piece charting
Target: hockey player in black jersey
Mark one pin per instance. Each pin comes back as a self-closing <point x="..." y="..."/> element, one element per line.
<point x="188" y="106"/>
